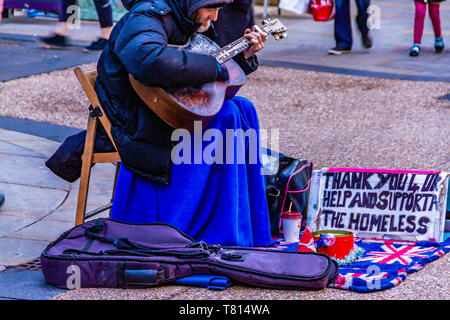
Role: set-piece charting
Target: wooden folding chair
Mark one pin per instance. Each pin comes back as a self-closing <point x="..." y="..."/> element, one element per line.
<point x="87" y="81"/>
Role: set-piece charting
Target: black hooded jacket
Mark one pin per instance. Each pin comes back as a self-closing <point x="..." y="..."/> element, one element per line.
<point x="138" y="46"/>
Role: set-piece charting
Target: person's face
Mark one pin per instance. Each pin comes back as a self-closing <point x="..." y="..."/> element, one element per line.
<point x="205" y="16"/>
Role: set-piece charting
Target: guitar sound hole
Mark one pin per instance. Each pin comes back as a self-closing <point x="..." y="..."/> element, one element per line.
<point x="194" y="99"/>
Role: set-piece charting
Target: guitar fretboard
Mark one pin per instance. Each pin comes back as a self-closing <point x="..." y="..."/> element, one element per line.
<point x="273" y="27"/>
<point x="229" y="51"/>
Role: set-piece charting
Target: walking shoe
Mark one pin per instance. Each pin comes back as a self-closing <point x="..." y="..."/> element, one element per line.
<point x="55" y="41"/>
<point x="439" y="44"/>
<point x="96" y="46"/>
<point x="415" y="51"/>
<point x="338" y="51"/>
<point x="367" y="41"/>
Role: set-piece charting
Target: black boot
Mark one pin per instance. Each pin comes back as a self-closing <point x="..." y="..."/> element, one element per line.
<point x="439" y="44"/>
<point x="55" y="41"/>
<point x="96" y="46"/>
<point x="367" y="41"/>
<point x="415" y="51"/>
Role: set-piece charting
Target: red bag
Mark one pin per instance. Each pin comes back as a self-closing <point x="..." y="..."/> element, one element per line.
<point x="323" y="10"/>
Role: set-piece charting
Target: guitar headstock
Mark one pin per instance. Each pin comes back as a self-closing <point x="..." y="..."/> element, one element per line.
<point x="275" y="28"/>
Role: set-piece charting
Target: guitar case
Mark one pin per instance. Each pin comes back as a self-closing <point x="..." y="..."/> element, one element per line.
<point x="108" y="253"/>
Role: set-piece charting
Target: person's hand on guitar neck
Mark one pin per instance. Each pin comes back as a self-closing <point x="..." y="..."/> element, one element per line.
<point x="257" y="38"/>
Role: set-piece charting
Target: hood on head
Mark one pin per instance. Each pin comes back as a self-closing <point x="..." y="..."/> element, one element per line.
<point x="183" y="10"/>
<point x="128" y="4"/>
<point x="194" y="5"/>
<point x="188" y="6"/>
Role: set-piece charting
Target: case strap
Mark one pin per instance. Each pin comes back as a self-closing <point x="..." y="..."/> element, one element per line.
<point x="297" y="191"/>
<point x="127" y="247"/>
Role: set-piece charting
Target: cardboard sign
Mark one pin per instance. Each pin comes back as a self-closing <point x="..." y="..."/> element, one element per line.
<point x="395" y="204"/>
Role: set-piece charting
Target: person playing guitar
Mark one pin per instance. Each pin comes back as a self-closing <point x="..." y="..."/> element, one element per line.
<point x="222" y="203"/>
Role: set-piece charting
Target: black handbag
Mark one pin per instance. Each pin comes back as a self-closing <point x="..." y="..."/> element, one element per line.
<point x="288" y="190"/>
<point x="66" y="161"/>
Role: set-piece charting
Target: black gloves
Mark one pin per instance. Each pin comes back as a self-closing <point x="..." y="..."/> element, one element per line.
<point x="222" y="73"/>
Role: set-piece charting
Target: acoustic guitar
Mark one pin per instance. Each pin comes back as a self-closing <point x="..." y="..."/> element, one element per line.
<point x="180" y="107"/>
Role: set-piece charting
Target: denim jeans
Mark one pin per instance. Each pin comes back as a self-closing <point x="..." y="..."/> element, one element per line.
<point x="342" y="22"/>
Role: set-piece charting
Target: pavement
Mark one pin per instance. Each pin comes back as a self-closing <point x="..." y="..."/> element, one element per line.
<point x="31" y="58"/>
<point x="40" y="206"/>
<point x="305" y="47"/>
<point x="308" y="41"/>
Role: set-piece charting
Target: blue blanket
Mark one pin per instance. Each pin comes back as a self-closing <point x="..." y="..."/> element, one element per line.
<point x="212" y="282"/>
<point x="216" y="203"/>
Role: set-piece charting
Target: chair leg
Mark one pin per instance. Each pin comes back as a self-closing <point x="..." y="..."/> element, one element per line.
<point x="114" y="186"/>
<point x="86" y="170"/>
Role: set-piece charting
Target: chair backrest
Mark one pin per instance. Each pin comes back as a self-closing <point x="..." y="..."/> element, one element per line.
<point x="87" y="81"/>
<point x="92" y="76"/>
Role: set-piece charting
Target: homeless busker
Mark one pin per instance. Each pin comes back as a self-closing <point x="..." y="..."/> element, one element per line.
<point x="221" y="203"/>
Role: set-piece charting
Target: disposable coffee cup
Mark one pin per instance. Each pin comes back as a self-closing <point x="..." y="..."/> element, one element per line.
<point x="291" y="225"/>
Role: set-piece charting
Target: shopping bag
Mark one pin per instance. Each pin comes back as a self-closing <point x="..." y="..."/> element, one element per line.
<point x="296" y="6"/>
<point x="323" y="10"/>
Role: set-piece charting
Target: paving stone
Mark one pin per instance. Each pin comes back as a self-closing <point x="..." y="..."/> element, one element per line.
<point x="13" y="149"/>
<point x="30" y="201"/>
<point x="45" y="230"/>
<point x="100" y="188"/>
<point x="100" y="192"/>
<point x="42" y="146"/>
<point x="30" y="58"/>
<point x="10" y="224"/>
<point x="68" y="215"/>
<point x="15" y="251"/>
<point x="53" y="134"/>
<point x="16" y="169"/>
<point x="27" y="285"/>
<point x="63" y="215"/>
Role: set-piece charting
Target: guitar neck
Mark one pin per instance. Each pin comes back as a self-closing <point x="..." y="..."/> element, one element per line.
<point x="231" y="50"/>
<point x="273" y="27"/>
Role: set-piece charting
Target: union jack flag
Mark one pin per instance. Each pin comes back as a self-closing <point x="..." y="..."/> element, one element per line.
<point x="392" y="254"/>
<point x="384" y="264"/>
<point x="392" y="259"/>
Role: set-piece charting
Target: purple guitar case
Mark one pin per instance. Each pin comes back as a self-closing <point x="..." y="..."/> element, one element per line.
<point x="108" y="253"/>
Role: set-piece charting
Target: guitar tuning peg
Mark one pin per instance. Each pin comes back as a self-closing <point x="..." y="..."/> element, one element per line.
<point x="257" y="29"/>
